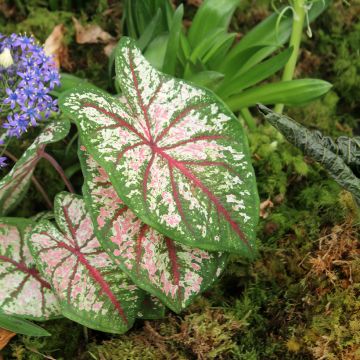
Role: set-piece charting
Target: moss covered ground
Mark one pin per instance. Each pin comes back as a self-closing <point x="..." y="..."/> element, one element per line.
<point x="301" y="298"/>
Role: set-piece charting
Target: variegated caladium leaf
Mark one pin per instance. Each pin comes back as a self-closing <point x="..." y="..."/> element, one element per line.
<point x="151" y="308"/>
<point x="175" y="155"/>
<point x="24" y="292"/>
<point x="91" y="288"/>
<point x="15" y="184"/>
<point x="174" y="272"/>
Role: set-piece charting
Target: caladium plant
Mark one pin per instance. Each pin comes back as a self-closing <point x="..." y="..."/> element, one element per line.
<point x="89" y="285"/>
<point x="174" y="153"/>
<point x="14" y="185"/>
<point x="24" y="292"/>
<point x="173" y="272"/>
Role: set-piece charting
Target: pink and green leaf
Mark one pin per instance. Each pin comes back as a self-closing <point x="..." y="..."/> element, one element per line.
<point x="14" y="185"/>
<point x="24" y="292"/>
<point x="174" y="153"/>
<point x="91" y="288"/>
<point x="173" y="272"/>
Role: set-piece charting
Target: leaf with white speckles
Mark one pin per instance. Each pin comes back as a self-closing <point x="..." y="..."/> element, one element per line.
<point x="24" y="292"/>
<point x="14" y="185"/>
<point x="91" y="288"/>
<point x="151" y="308"/>
<point x="172" y="271"/>
<point x="174" y="153"/>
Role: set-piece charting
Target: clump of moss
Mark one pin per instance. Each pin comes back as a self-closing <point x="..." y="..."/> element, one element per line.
<point x="128" y="347"/>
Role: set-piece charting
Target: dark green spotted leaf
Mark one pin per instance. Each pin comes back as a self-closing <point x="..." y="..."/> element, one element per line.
<point x="338" y="158"/>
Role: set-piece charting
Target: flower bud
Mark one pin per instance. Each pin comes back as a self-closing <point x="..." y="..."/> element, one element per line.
<point x="6" y="59"/>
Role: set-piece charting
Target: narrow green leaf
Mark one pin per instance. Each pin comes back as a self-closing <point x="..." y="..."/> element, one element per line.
<point x="149" y="32"/>
<point x="21" y="326"/>
<point x="266" y="33"/>
<point x="205" y="45"/>
<point x="209" y="79"/>
<point x="237" y="63"/>
<point x="266" y="36"/>
<point x="155" y="52"/>
<point x="294" y="92"/>
<point x="173" y="42"/>
<point x="222" y="42"/>
<point x="217" y="57"/>
<point x="212" y="14"/>
<point x="256" y="74"/>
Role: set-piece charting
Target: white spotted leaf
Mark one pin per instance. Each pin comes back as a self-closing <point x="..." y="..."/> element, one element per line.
<point x="24" y="292"/>
<point x="91" y="288"/>
<point x="15" y="184"/>
<point x="174" y="153"/>
<point x="173" y="272"/>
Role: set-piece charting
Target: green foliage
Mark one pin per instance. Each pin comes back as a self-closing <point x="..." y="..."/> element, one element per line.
<point x="292" y="311"/>
<point x="21" y="326"/>
<point x="208" y="48"/>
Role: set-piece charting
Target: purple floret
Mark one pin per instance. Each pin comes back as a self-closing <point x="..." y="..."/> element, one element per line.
<point x="25" y="98"/>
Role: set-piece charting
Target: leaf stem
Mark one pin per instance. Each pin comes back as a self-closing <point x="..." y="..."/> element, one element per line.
<point x="299" y="11"/>
<point x="246" y="115"/>
<point x="59" y="170"/>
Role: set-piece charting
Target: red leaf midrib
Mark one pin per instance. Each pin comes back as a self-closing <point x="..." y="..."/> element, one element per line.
<point x="30" y="271"/>
<point x="95" y="274"/>
<point x="197" y="182"/>
<point x="173" y="163"/>
<point x="138" y="94"/>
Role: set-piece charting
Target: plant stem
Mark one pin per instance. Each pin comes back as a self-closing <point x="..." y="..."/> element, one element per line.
<point x="34" y="180"/>
<point x="59" y="170"/>
<point x="295" y="41"/>
<point x="246" y="115"/>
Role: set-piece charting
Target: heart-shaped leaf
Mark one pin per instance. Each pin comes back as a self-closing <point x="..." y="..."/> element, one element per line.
<point x="175" y="155"/>
<point x="91" y="289"/>
<point x="175" y="273"/>
<point x="24" y="292"/>
<point x="14" y="185"/>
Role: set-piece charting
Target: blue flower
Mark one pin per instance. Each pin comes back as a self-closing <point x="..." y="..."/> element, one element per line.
<point x="2" y="162"/>
<point x="25" y="98"/>
<point x="14" y="97"/>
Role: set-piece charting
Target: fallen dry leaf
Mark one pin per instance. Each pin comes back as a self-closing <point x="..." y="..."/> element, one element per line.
<point x="6" y="9"/>
<point x="196" y="3"/>
<point x="264" y="207"/>
<point x="108" y="49"/>
<point x="5" y="337"/>
<point x="90" y="34"/>
<point x="54" y="44"/>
